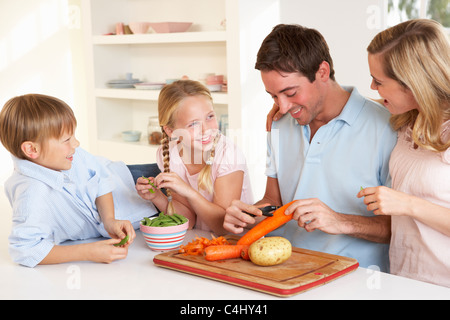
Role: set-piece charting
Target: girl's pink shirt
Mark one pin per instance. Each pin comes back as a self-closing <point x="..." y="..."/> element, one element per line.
<point x="417" y="250"/>
<point x="228" y="159"/>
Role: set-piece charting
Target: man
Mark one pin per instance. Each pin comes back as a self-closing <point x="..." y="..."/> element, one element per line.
<point x="333" y="143"/>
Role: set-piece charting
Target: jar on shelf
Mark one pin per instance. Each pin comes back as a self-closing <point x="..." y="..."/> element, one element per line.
<point x="154" y="131"/>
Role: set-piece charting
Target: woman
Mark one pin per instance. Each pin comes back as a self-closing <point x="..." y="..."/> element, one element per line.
<point x="410" y="67"/>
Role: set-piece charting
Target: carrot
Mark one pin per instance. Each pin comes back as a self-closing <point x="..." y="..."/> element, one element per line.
<point x="244" y="253"/>
<point x="225" y="251"/>
<point x="267" y="225"/>
<point x="197" y="246"/>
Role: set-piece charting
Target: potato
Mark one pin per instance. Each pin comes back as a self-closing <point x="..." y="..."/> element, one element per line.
<point x="270" y="251"/>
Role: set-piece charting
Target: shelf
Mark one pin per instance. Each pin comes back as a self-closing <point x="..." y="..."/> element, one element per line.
<point x="152" y="57"/>
<point x="152" y="95"/>
<point x="128" y="152"/>
<point x="156" y="38"/>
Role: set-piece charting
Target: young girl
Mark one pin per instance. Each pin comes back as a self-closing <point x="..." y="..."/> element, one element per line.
<point x="201" y="169"/>
<point x="60" y="192"/>
<point x="410" y="66"/>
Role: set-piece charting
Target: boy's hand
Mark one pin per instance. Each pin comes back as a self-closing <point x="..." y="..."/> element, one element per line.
<point x="105" y="252"/>
<point x="119" y="229"/>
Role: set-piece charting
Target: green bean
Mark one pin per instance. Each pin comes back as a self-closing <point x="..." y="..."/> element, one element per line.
<point x="152" y="190"/>
<point x="176" y="219"/>
<point x="169" y="224"/>
<point x="164" y="220"/>
<point x="182" y="218"/>
<point x="121" y="243"/>
<point x="146" y="221"/>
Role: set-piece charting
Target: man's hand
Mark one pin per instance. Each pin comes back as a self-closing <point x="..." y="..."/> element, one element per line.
<point x="313" y="214"/>
<point x="236" y="220"/>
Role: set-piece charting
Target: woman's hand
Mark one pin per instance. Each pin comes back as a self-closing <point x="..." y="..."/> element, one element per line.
<point x="386" y="201"/>
<point x="273" y="115"/>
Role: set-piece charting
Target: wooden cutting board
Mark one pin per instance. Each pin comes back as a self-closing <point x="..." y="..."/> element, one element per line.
<point x="304" y="270"/>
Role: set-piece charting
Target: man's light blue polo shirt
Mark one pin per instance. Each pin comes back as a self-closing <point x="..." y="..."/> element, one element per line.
<point x="348" y="152"/>
<point x="50" y="207"/>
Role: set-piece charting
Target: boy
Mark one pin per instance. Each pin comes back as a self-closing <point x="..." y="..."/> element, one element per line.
<point x="60" y="192"/>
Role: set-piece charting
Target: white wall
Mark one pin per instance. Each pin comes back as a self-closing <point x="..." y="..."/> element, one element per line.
<point x="348" y="27"/>
<point x="40" y="52"/>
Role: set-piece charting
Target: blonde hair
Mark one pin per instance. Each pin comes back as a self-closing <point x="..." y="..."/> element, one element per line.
<point x="169" y="100"/>
<point x="416" y="53"/>
<point x="36" y="118"/>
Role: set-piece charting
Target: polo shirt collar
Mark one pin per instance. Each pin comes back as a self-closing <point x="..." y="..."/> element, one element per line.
<point x="353" y="107"/>
<point x="54" y="179"/>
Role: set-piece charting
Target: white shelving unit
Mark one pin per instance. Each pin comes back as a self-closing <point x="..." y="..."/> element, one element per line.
<point x="205" y="48"/>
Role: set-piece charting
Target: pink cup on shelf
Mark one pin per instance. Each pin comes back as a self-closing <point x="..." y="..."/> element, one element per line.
<point x="214" y="79"/>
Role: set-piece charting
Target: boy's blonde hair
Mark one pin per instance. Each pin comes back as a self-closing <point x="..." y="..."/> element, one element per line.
<point x="416" y="53"/>
<point x="36" y="118"/>
<point x="169" y="100"/>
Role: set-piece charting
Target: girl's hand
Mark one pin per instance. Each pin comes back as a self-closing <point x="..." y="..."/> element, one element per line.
<point x="144" y="188"/>
<point x="386" y="201"/>
<point x="172" y="181"/>
<point x="119" y="229"/>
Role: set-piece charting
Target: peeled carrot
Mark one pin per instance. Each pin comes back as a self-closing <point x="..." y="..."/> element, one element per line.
<point x="222" y="252"/>
<point x="197" y="246"/>
<point x="267" y="225"/>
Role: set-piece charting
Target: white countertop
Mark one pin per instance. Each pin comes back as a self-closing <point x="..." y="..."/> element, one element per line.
<point x="136" y="277"/>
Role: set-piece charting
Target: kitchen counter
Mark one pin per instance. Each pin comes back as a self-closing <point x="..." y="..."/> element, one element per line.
<point x="136" y="277"/>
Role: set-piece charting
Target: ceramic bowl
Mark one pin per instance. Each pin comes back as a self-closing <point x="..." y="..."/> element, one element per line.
<point x="131" y="136"/>
<point x="170" y="81"/>
<point x="139" y="27"/>
<point x="149" y="86"/>
<point x="214" y="79"/>
<point x="166" y="27"/>
<point x="164" y="238"/>
<point x="214" y="87"/>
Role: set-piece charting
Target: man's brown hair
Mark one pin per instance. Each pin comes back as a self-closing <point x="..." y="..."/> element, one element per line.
<point x="294" y="48"/>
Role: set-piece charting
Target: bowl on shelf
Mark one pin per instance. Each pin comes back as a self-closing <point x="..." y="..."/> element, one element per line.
<point x="214" y="87"/>
<point x="139" y="27"/>
<point x="149" y="85"/>
<point x="168" y="27"/>
<point x="170" y="81"/>
<point x="131" y="135"/>
<point x="164" y="238"/>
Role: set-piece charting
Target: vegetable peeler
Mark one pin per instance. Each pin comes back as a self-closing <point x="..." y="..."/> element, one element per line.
<point x="266" y="211"/>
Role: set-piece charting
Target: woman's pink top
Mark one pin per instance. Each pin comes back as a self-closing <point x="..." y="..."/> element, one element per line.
<point x="418" y="251"/>
<point x="228" y="158"/>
